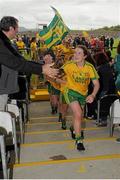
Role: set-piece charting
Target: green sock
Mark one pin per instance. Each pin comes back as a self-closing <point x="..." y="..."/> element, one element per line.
<point x="78" y="138"/>
<point x="60" y="115"/>
<point x="63" y="122"/>
<point x="71" y="127"/>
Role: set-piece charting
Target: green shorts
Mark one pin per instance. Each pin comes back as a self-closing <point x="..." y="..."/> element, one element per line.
<point x="55" y="91"/>
<point x="71" y="96"/>
<point x="62" y="98"/>
<point x="52" y="90"/>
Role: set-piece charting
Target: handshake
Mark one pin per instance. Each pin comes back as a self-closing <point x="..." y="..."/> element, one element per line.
<point x="58" y="65"/>
<point x="55" y="69"/>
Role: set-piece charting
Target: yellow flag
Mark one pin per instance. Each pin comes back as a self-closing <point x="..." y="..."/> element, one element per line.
<point x="55" y="32"/>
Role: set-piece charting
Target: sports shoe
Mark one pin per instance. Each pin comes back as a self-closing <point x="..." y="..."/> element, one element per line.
<point x="80" y="146"/>
<point x="90" y="117"/>
<point x="72" y="132"/>
<point x="63" y="124"/>
<point x="102" y="124"/>
<point x="118" y="140"/>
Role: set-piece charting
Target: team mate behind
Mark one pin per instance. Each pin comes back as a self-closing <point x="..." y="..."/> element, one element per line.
<point x="79" y="73"/>
<point x="21" y="45"/>
<point x="33" y="48"/>
<point x="53" y="87"/>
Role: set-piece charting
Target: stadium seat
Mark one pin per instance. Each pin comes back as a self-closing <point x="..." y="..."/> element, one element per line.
<point x="18" y="114"/>
<point x="3" y="157"/>
<point x="114" y="115"/>
<point x="7" y="122"/>
<point x="103" y="105"/>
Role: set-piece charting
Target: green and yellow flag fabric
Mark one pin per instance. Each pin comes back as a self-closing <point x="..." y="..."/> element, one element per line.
<point x="55" y="32"/>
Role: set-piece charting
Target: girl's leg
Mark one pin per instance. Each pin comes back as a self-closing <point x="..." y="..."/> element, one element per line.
<point x="60" y="112"/>
<point x="77" y="116"/>
<point x="64" y="108"/>
<point x="51" y="103"/>
<point x="54" y="103"/>
<point x="55" y="99"/>
<point x="77" y="119"/>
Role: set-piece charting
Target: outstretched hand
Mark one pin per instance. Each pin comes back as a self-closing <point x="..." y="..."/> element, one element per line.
<point x="49" y="71"/>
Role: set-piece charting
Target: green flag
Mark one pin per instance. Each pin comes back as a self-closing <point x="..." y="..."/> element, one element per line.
<point x="55" y="32"/>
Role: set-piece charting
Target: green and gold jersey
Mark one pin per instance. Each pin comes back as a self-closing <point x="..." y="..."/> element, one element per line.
<point x="78" y="78"/>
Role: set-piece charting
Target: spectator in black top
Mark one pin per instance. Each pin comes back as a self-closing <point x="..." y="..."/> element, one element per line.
<point x="107" y="84"/>
<point x="111" y="43"/>
<point x="11" y="62"/>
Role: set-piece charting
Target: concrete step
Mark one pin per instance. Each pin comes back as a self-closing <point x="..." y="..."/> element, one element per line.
<point x="44" y="151"/>
<point x="58" y="135"/>
<point x="54" y="125"/>
<point x="50" y="153"/>
<point x="95" y="167"/>
<point x="57" y="158"/>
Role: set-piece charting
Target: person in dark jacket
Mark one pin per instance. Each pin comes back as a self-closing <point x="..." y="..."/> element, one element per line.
<point x="11" y="62"/>
<point x="111" y="43"/>
<point x="117" y="68"/>
<point x="107" y="85"/>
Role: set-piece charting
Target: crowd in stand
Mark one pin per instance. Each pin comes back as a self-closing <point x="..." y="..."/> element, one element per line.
<point x="34" y="43"/>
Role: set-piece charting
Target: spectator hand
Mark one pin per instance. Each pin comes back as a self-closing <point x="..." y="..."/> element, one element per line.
<point x="49" y="71"/>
